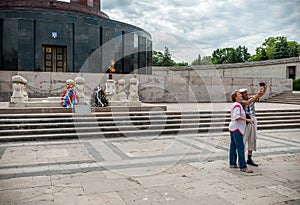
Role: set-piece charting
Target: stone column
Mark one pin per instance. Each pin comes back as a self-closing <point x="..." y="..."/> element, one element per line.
<point x="19" y="90"/>
<point x="133" y="97"/>
<point x="110" y="90"/>
<point x="25" y="94"/>
<point x="79" y="89"/>
<point x="121" y="90"/>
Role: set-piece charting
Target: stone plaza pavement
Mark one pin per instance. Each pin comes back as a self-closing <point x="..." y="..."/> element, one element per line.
<point x="168" y="169"/>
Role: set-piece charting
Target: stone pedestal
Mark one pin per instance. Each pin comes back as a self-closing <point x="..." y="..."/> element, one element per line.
<point x="110" y="90"/>
<point x="79" y="89"/>
<point x="121" y="97"/>
<point x="133" y="97"/>
<point x="121" y="91"/>
<point x="19" y="96"/>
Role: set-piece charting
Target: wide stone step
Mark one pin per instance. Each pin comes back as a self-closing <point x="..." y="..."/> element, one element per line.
<point x="97" y="122"/>
<point x="100" y="134"/>
<point x="125" y="116"/>
<point x="134" y="133"/>
<point x="285" y="98"/>
<point x="106" y="123"/>
<point x="59" y="109"/>
<point x="150" y="113"/>
<point x="297" y="102"/>
<point x="105" y="128"/>
<point x="37" y="126"/>
<point x="119" y="127"/>
<point x="60" y="122"/>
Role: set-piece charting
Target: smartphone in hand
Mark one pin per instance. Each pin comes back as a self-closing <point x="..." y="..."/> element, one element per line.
<point x="262" y="84"/>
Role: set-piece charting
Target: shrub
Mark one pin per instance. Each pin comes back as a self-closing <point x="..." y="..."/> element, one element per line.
<point x="296" y="84"/>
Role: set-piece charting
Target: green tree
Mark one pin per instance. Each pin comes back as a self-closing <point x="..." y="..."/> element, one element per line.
<point x="269" y="46"/>
<point x="261" y="54"/>
<point x="294" y="48"/>
<point x="197" y="61"/>
<point x="157" y="58"/>
<point x="230" y="55"/>
<point x="296" y="84"/>
<point x="167" y="60"/>
<point x="206" y="60"/>
<point x="164" y="59"/>
<point x="245" y="55"/>
<point x="276" y="48"/>
<point x="282" y="49"/>
<point x="181" y="64"/>
<point x="218" y="56"/>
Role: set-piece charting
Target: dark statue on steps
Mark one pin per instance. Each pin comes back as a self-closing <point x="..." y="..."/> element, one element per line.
<point x="99" y="98"/>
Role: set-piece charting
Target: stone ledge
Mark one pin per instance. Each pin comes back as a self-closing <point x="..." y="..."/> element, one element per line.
<point x="24" y="110"/>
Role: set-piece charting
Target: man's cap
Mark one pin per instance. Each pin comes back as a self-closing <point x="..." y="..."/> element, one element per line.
<point x="242" y="90"/>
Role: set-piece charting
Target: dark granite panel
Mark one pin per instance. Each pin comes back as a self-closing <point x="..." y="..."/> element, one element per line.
<point x="149" y="57"/>
<point x="142" y="52"/>
<point x="26" y="45"/>
<point x="130" y="52"/>
<point x="10" y="44"/>
<point x="1" y="44"/>
<point x="107" y="48"/>
<point x="87" y="45"/>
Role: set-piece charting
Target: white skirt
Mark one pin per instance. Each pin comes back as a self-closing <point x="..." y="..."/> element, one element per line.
<point x="250" y="135"/>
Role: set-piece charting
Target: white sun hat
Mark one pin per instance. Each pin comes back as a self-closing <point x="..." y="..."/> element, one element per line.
<point x="242" y="90"/>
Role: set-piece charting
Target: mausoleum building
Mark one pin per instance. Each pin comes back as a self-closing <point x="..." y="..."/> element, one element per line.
<point x="69" y="36"/>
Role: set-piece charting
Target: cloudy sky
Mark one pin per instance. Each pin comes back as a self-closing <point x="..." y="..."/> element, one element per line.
<point x="192" y="27"/>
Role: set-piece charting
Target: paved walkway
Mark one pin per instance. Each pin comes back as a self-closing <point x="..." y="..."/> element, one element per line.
<point x="151" y="170"/>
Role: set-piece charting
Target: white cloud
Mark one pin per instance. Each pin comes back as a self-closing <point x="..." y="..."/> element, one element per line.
<point x="190" y="27"/>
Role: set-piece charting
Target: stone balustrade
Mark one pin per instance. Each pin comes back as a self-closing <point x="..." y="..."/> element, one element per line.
<point x="116" y="97"/>
<point x="19" y="95"/>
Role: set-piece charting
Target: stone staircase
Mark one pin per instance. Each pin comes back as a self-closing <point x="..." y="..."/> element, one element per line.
<point x="50" y="126"/>
<point x="285" y="97"/>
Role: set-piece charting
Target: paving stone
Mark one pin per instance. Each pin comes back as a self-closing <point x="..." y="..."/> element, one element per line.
<point x="43" y="202"/>
<point x="199" y="188"/>
<point x="92" y="199"/>
<point x="290" y="193"/>
<point x="166" y="195"/>
<point x="142" y="196"/>
<point x="76" y="177"/>
<point x="113" y="174"/>
<point x="163" y="179"/>
<point x="25" y="182"/>
<point x="92" y="186"/>
<point x="27" y="195"/>
<point x="254" y="196"/>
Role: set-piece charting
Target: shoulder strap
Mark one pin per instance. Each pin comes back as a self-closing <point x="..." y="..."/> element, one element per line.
<point x="238" y="107"/>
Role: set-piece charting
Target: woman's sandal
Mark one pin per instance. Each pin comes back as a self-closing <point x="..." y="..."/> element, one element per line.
<point x="247" y="170"/>
<point x="235" y="166"/>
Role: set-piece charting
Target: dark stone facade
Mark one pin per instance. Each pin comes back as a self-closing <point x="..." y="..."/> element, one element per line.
<point x="43" y="35"/>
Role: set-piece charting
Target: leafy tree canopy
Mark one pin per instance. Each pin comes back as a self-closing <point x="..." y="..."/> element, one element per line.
<point x="230" y="55"/>
<point x="272" y="48"/>
<point x="206" y="60"/>
<point x="165" y="59"/>
<point x="276" y="48"/>
<point x="157" y="58"/>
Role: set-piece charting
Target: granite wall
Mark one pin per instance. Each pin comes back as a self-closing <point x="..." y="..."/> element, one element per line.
<point x="152" y="88"/>
<point x="280" y="68"/>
